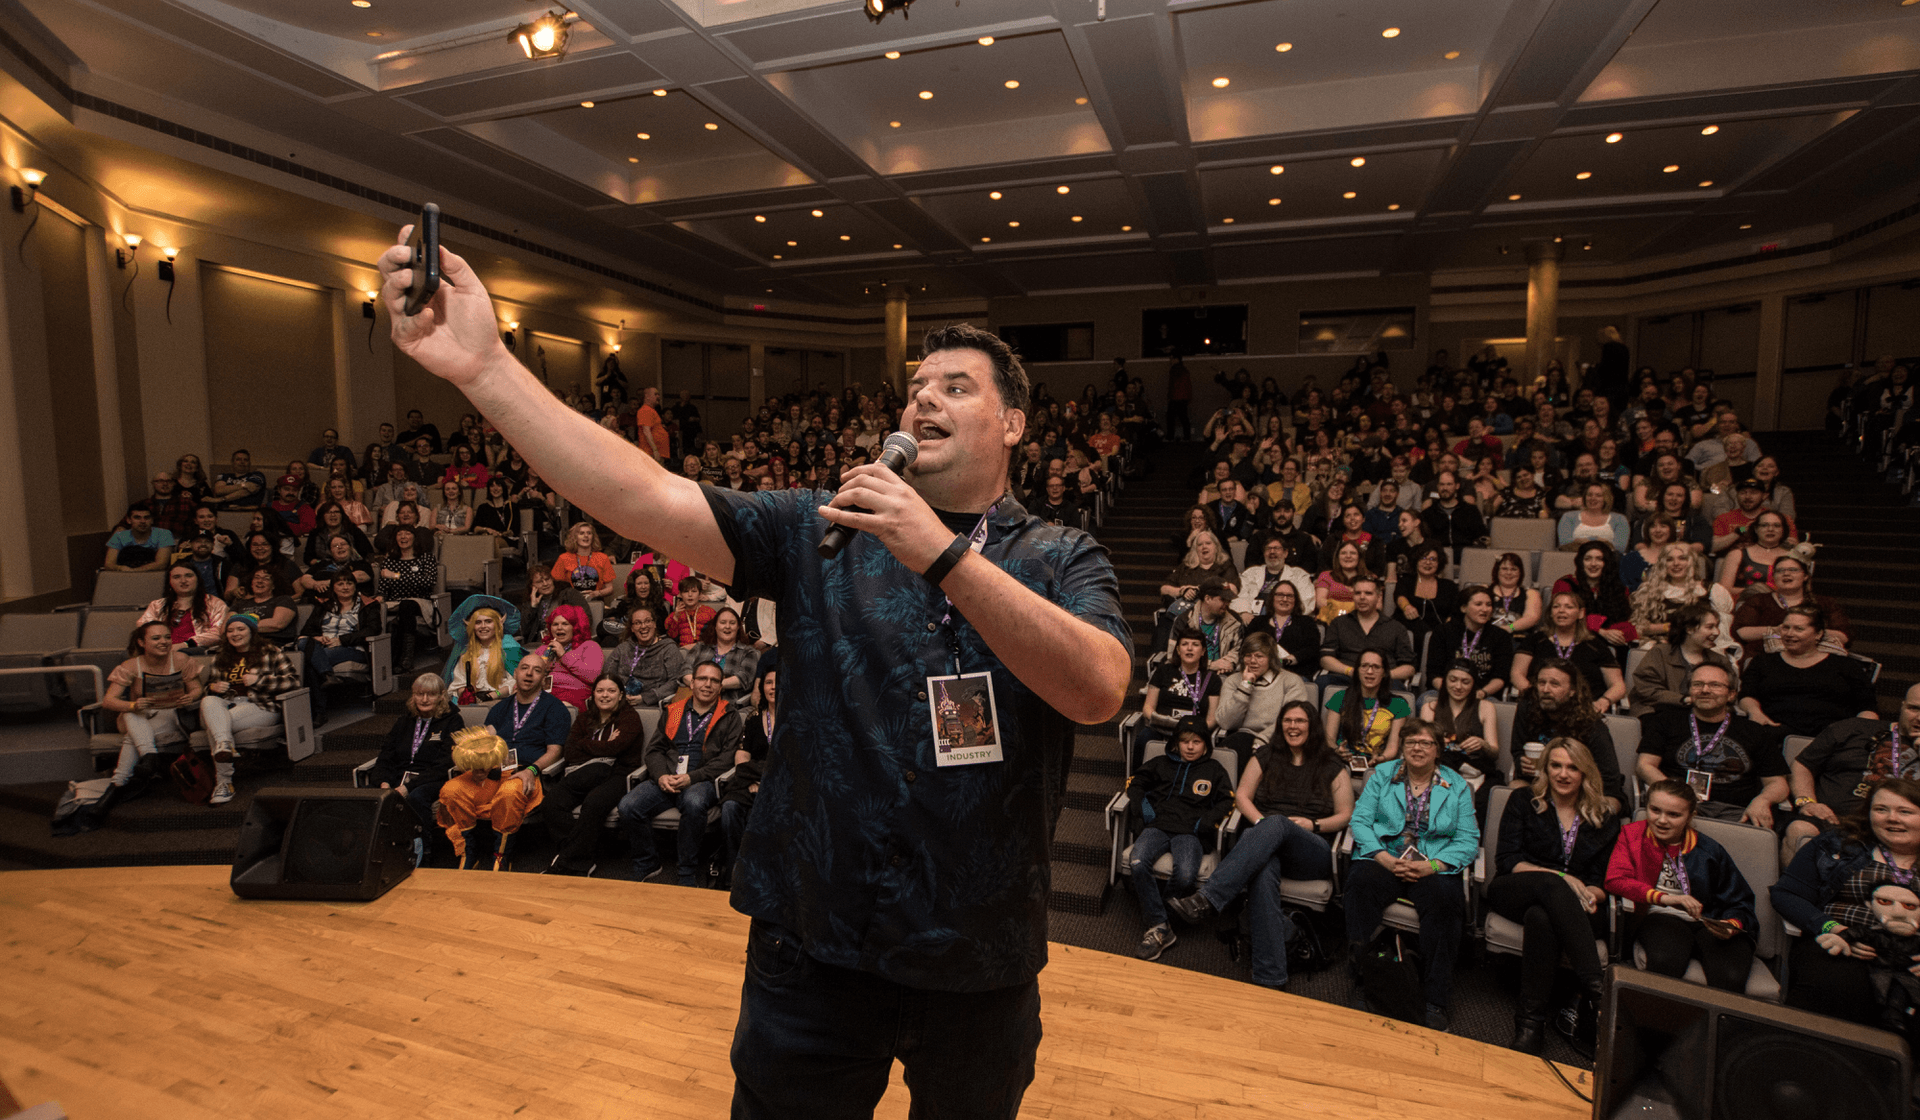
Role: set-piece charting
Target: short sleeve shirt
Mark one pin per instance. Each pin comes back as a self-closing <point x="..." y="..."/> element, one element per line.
<point x="1850" y="755"/>
<point x="1738" y="760"/>
<point x="1379" y="722"/>
<point x="859" y="844"/>
<point x="1184" y="693"/>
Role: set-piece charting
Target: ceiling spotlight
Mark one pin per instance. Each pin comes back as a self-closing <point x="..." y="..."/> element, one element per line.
<point x="1713" y="128"/>
<point x="1615" y="137"/>
<point x="1226" y="221"/>
<point x="759" y="217"/>
<point x="712" y="127"/>
<point x="1350" y="194"/>
<point x="776" y="256"/>
<point x="1390" y="33"/>
<point x="545" y="37"/>
<point x="1706" y="182"/>
<point x="363" y="3"/>
<point x="586" y="104"/>
<point x="1749" y="225"/>
<point x="1283" y="48"/>
<point x="986" y="40"/>
<point x="893" y="54"/>
<point x="1013" y="225"/>
<point x="644" y="135"/>
<point x="1587" y="244"/>
<point x="1358" y="161"/>
<point x="659" y="93"/>
<point x="985" y="240"/>
<point x="793" y="244"/>
<point x="1273" y="202"/>
<point x="1275" y="169"/>
<point x="1075" y="218"/>
<point x="846" y="237"/>
<point x="1671" y="168"/>
<point x="1512" y="198"/>
<point x="1584" y="175"/>
<point x="877" y="9"/>
<point x="1451" y="55"/>
<point x="1393" y="206"/>
<point x="1013" y="83"/>
<point x="1222" y="83"/>
<point x="1062" y="189"/>
<point x="926" y="95"/>
<point x="995" y="195"/>
<point x="1079" y="101"/>
<point x="373" y="34"/>
<point x="893" y="124"/>
<point x="899" y="246"/>
<point x="633" y="159"/>
<point x="819" y="213"/>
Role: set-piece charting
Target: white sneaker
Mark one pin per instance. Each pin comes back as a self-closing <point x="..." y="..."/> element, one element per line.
<point x="222" y="793"/>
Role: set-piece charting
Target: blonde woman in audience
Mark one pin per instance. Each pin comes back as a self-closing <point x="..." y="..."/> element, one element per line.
<point x="485" y="651"/>
<point x="1206" y="559"/>
<point x="454" y="514"/>
<point x="1670" y="585"/>
<point x="340" y="492"/>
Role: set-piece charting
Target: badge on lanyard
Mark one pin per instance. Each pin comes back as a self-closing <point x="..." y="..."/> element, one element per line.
<point x="966" y="724"/>
<point x="1702" y="783"/>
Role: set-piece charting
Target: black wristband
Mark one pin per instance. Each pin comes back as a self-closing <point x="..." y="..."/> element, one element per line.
<point x="944" y="563"/>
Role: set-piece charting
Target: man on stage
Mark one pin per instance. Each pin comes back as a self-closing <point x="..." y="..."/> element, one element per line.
<point x="896" y="876"/>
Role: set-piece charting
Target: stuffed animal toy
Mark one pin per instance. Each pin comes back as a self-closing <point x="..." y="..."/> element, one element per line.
<point x="489" y="787"/>
<point x="1895" y="940"/>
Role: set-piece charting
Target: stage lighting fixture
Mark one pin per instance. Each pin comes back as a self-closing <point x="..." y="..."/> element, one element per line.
<point x="545" y="37"/>
<point x="877" y="9"/>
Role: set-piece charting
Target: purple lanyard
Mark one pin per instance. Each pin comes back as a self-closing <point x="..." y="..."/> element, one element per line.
<point x="1568" y="836"/>
<point x="1893" y="750"/>
<point x="1673" y="863"/>
<point x="1566" y="651"/>
<point x="1902" y="876"/>
<point x="634" y="661"/>
<point x="1471" y="645"/>
<point x="1280" y="628"/>
<point x="766" y="725"/>
<point x="1697" y="751"/>
<point x="520" y="717"/>
<point x="420" y="726"/>
<point x="696" y="725"/>
<point x="1196" y="686"/>
<point x="1417" y="810"/>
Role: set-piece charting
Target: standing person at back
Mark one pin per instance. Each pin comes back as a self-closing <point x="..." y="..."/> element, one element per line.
<point x="917" y="933"/>
<point x="650" y="429"/>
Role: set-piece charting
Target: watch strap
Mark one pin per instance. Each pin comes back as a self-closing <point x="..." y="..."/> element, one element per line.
<point x="944" y="563"/>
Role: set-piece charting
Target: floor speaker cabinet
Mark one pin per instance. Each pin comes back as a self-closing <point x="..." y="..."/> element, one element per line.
<point x="1670" y="1050"/>
<point x="347" y="845"/>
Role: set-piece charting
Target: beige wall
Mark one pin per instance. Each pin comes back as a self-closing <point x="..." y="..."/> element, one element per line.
<point x="59" y="252"/>
<point x="270" y="367"/>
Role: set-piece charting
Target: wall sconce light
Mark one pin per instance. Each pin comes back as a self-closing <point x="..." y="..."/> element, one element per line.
<point x="545" y="37"/>
<point x="615" y="347"/>
<point x="508" y="336"/>
<point x="165" y="271"/>
<point x="125" y="258"/>
<point x="366" y="309"/>
<point x="23" y="197"/>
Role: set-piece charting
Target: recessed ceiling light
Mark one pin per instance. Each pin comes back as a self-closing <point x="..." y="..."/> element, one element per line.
<point x="1283" y="48"/>
<point x="1615" y="137"/>
<point x="1584" y="175"/>
<point x="1390" y="33"/>
<point x="995" y="195"/>
<point x="1706" y="182"/>
<point x="644" y="135"/>
<point x="1222" y="83"/>
<point x="1350" y="194"/>
<point x="985" y="240"/>
<point x="1749" y="225"/>
<point x="586" y="104"/>
<point x="893" y="124"/>
<point x="759" y="217"/>
<point x="659" y="93"/>
<point x="1226" y="221"/>
<point x="1713" y="128"/>
<point x="1126" y="229"/>
<point x="1275" y="169"/>
<point x="1062" y="189"/>
<point x="792" y="244"/>
<point x="776" y="256"/>
<point x="926" y="95"/>
<point x="1079" y="101"/>
<point x="373" y="34"/>
<point x="893" y="54"/>
<point x="1513" y="198"/>
<point x="1671" y="168"/>
<point x="846" y="237"/>
<point x="1273" y="202"/>
<point x="1076" y="218"/>
<point x="1358" y="161"/>
<point x="1451" y="55"/>
<point x="819" y="213"/>
<point x="1013" y="83"/>
<point x="363" y="3"/>
<point x="633" y="159"/>
<point x="1393" y="206"/>
<point x="1013" y="225"/>
<point x="712" y="127"/>
<point x="898" y="246"/>
<point x="986" y="40"/>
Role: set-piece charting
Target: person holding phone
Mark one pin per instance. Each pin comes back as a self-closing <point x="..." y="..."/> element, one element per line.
<point x="1689" y="899"/>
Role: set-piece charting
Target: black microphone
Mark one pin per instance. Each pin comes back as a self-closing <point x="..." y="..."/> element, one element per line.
<point x="897" y="454"/>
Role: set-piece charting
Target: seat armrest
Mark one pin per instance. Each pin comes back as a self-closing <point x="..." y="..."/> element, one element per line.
<point x="1117" y="807"/>
<point x="363" y="774"/>
<point x="71" y="607"/>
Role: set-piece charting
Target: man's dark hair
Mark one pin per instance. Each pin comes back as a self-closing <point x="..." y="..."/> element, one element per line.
<point x="1215" y="589"/>
<point x="1685" y="621"/>
<point x="1009" y="376"/>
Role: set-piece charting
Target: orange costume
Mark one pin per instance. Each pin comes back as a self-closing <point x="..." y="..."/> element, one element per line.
<point x="488" y="788"/>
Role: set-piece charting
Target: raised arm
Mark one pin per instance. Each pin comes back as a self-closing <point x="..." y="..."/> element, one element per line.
<point x="614" y="481"/>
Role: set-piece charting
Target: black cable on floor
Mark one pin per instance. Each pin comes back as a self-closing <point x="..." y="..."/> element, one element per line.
<point x="1564" y="1081"/>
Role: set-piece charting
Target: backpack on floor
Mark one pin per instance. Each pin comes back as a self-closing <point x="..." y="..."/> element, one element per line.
<point x="67" y="816"/>
<point x="1305" y="951"/>
<point x="193" y="776"/>
<point x="1390" y="976"/>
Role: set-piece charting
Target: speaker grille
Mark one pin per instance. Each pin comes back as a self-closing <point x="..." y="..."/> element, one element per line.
<point x="1767" y="1072"/>
<point x="328" y="841"/>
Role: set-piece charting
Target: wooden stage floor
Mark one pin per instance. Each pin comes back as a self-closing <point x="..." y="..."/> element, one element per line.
<point x="154" y="992"/>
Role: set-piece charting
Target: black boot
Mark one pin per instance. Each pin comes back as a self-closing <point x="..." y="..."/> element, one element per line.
<point x="94" y="816"/>
<point x="1530" y="1027"/>
<point x="1580" y="1024"/>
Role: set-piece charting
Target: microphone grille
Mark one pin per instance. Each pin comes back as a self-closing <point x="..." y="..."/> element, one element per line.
<point x="908" y="447"/>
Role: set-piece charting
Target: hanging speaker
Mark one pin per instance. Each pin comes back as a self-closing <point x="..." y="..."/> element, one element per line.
<point x="1670" y="1050"/>
<point x="350" y="845"/>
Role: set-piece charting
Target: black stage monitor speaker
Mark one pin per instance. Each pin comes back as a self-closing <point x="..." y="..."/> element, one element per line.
<point x="1670" y="1050"/>
<point x="349" y="845"/>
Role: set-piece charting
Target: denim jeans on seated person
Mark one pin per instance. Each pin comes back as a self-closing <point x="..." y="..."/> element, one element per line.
<point x="819" y="1041"/>
<point x="1148" y="847"/>
<point x="647" y="801"/>
<point x="1273" y="849"/>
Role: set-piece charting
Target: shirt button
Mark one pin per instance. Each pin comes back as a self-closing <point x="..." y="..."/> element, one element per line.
<point x="932" y="626"/>
<point x="911" y="776"/>
<point x="921" y="695"/>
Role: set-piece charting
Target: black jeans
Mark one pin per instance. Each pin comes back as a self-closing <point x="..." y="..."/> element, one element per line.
<point x="1829" y="985"/>
<point x="1671" y="942"/>
<point x="1440" y="902"/>
<point x="1556" y="923"/>
<point x="596" y="789"/>
<point x="818" y="1042"/>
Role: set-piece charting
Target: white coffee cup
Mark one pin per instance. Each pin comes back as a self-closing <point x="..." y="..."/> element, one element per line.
<point x="1533" y="751"/>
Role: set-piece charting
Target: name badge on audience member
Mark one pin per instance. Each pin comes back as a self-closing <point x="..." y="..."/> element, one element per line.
<point x="1702" y="783"/>
<point x="681" y="766"/>
<point x="966" y="724"/>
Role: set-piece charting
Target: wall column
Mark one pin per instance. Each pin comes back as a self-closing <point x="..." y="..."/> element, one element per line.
<point x="33" y="552"/>
<point x="897" y="337"/>
<point x="1769" y="361"/>
<point x="106" y="377"/>
<point x="1543" y="303"/>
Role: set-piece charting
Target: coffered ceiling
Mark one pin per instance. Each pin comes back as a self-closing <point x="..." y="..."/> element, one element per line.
<point x="1002" y="147"/>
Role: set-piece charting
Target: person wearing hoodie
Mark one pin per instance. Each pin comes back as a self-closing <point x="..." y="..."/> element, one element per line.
<point x="1175" y="803"/>
<point x="1250" y="700"/>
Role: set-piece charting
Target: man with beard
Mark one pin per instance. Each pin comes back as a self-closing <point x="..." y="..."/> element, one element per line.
<point x="1560" y="704"/>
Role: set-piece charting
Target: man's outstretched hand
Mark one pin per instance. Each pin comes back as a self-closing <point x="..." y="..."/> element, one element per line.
<point x="453" y="336"/>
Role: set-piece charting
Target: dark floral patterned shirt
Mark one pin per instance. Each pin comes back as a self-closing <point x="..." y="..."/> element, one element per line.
<point x="875" y="857"/>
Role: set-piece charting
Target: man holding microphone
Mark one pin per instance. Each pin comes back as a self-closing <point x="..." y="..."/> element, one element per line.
<point x="895" y="866"/>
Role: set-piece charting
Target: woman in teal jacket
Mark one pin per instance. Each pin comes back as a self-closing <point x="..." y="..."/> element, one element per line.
<point x="1414" y="834"/>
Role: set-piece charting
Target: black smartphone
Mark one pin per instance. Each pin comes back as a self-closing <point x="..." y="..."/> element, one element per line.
<point x="425" y="244"/>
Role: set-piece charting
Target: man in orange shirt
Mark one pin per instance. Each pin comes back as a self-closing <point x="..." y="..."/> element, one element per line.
<point x="652" y="436"/>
